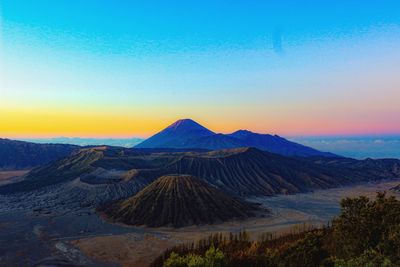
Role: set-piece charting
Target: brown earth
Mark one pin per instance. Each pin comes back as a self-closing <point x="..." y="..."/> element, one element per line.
<point x="288" y="213"/>
<point x="127" y="249"/>
<point x="8" y="176"/>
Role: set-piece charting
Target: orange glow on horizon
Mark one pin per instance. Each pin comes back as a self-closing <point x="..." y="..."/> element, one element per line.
<point x="29" y="124"/>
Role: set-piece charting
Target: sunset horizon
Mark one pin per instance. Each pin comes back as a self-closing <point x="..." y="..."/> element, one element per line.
<point x="298" y="69"/>
<point x="199" y="133"/>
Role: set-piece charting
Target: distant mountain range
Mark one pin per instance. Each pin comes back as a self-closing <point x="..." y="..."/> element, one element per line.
<point x="98" y="176"/>
<point x="25" y="155"/>
<point x="122" y="142"/>
<point x="187" y="133"/>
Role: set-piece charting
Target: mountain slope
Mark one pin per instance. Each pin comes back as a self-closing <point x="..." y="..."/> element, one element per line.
<point x="249" y="171"/>
<point x="241" y="171"/>
<point x="371" y="169"/>
<point x="214" y="142"/>
<point x="90" y="165"/>
<point x="178" y="200"/>
<point x="189" y="134"/>
<point x="176" y="135"/>
<point x="25" y="155"/>
<point x="276" y="144"/>
<point x="57" y="172"/>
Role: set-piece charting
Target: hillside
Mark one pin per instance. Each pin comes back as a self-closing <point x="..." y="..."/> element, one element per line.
<point x="178" y="200"/>
<point x="56" y="172"/>
<point x="365" y="233"/>
<point x="240" y="171"/>
<point x="16" y="155"/>
<point x="248" y="171"/>
<point x="372" y="169"/>
<point x="97" y="165"/>
<point x="277" y="144"/>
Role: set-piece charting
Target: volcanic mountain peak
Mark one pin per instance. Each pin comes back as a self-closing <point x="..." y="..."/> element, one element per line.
<point x="178" y="200"/>
<point x="176" y="135"/>
<point x="187" y="125"/>
<point x="183" y="123"/>
<point x="189" y="134"/>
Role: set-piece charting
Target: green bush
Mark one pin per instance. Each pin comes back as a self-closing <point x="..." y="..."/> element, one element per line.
<point x="194" y="260"/>
<point x="365" y="234"/>
<point x="369" y="258"/>
<point x="175" y="260"/>
<point x="366" y="225"/>
<point x="213" y="258"/>
<point x="308" y="251"/>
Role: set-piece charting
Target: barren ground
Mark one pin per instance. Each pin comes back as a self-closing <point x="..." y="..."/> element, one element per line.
<point x="7" y="176"/>
<point x="290" y="211"/>
<point x="48" y="223"/>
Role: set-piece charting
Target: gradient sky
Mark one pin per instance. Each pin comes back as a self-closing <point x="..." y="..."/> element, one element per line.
<point x="119" y="69"/>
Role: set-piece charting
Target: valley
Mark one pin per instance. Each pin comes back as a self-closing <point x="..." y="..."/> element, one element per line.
<point x="76" y="201"/>
<point x="199" y="134"/>
<point x="33" y="227"/>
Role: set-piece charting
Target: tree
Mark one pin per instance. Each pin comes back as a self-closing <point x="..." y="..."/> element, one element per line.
<point x="308" y="251"/>
<point x="368" y="225"/>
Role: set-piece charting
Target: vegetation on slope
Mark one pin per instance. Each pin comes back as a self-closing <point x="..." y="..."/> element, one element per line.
<point x="178" y="200"/>
<point x="366" y="233"/>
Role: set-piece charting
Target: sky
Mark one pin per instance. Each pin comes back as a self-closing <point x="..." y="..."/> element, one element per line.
<point x="128" y="68"/>
<point x="359" y="147"/>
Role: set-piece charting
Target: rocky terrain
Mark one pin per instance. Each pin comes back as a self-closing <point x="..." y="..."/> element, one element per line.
<point x="110" y="173"/>
<point x="46" y="211"/>
<point x="51" y="222"/>
<point x="179" y="200"/>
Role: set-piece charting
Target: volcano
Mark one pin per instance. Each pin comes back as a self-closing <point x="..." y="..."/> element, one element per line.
<point x="188" y="134"/>
<point x="179" y="200"/>
<point x="176" y="135"/>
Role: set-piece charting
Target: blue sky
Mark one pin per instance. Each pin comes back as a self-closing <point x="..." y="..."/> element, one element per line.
<point x="286" y="67"/>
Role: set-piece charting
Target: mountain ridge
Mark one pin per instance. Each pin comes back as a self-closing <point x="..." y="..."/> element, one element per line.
<point x="26" y="155"/>
<point x="187" y="133"/>
<point x="238" y="171"/>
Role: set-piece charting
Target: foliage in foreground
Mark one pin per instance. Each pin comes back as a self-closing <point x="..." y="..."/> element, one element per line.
<point x="366" y="233"/>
